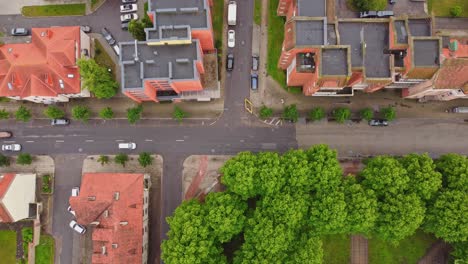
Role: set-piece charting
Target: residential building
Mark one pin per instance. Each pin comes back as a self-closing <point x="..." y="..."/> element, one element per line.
<point x="171" y="65"/>
<point x="114" y="207"/>
<point x="44" y="70"/>
<point x="335" y="59"/>
<point x="18" y="197"/>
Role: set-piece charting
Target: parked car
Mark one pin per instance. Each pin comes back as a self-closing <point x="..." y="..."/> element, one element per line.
<point x="116" y="48"/>
<point x="392" y="2"/>
<point x="255" y="61"/>
<point x="5" y="134"/>
<point x="11" y="147"/>
<point x="108" y="36"/>
<point x="69" y="209"/>
<point x="128" y="8"/>
<point x="19" y="32"/>
<point x="129" y="145"/>
<point x="230" y="62"/>
<point x="86" y="29"/>
<point x="128" y="17"/>
<point x="125" y="26"/>
<point x="231" y="38"/>
<point x="77" y="227"/>
<point x="75" y="191"/>
<point x="378" y="122"/>
<point x="128" y="1"/>
<point x="60" y="122"/>
<point x="254" y="81"/>
<point x="379" y="14"/>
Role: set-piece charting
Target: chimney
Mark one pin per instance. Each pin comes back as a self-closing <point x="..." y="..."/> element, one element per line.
<point x="123" y="223"/>
<point x="91" y="198"/>
<point x="103" y="250"/>
<point x="116" y="196"/>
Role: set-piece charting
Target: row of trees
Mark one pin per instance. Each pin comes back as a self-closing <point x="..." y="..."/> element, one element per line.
<point x="276" y="207"/>
<point x="144" y="159"/>
<point x="340" y="114"/>
<point x="22" y="159"/>
<point x="83" y="113"/>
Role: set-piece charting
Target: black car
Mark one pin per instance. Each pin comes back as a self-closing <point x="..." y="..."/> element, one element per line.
<point x="255" y="60"/>
<point x="108" y="36"/>
<point x="230" y="62"/>
<point x="125" y="25"/>
<point x="378" y="122"/>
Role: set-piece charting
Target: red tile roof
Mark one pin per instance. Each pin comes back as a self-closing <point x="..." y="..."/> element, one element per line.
<point x="122" y="227"/>
<point x="5" y="181"/>
<point x="453" y="75"/>
<point x="34" y="69"/>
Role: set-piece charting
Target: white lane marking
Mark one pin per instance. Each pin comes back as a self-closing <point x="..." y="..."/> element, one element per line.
<point x="119" y="140"/>
<point x="52" y="136"/>
<point x="30" y="141"/>
<point x="8" y="141"/>
<point x="32" y="136"/>
<point x="180" y="140"/>
<point x="59" y="141"/>
<point x="149" y="140"/>
<point x="89" y="140"/>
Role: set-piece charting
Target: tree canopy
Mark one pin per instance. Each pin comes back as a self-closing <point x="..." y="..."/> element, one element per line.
<point x="97" y="79"/>
<point x="290" y="113"/>
<point x="53" y="112"/>
<point x="23" y="114"/>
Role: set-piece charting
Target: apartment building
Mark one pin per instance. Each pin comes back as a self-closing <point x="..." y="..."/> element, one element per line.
<point x="114" y="207"/>
<point x="44" y="70"/>
<point x="171" y="64"/>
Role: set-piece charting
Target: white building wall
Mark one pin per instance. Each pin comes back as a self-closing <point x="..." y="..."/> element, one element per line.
<point x="20" y="194"/>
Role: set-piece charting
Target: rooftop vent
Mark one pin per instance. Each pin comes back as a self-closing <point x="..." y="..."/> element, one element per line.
<point x="103" y="250"/>
<point x="106" y="213"/>
<point x="71" y="76"/>
<point x="166" y="10"/>
<point x="189" y="9"/>
<point x="116" y="196"/>
<point x="184" y="60"/>
<point x="149" y="61"/>
<point x="91" y="198"/>
<point x="123" y="223"/>
<point x="115" y="245"/>
<point x="10" y="86"/>
<point x="62" y="85"/>
<point x="10" y="50"/>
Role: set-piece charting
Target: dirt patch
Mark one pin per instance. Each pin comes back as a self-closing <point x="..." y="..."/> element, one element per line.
<point x="210" y="78"/>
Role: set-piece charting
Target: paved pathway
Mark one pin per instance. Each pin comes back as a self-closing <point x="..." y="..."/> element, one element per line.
<point x="438" y="253"/>
<point x="359" y="250"/>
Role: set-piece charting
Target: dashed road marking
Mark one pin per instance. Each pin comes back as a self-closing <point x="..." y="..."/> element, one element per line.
<point x="30" y="141"/>
<point x="180" y="140"/>
<point x="8" y="141"/>
<point x="119" y="140"/>
<point x="59" y="141"/>
<point x="148" y="140"/>
<point x="89" y="140"/>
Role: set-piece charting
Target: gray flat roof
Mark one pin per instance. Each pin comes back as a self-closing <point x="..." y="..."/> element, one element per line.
<point x="419" y="27"/>
<point x="331" y="35"/>
<point x="311" y="8"/>
<point x="334" y="62"/>
<point x="164" y="61"/>
<point x="426" y="52"/>
<point x="309" y="32"/>
<point x="402" y="35"/>
<point x="375" y="35"/>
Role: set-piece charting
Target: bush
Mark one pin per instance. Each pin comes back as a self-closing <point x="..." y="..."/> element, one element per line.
<point x="137" y="29"/>
<point x="341" y="114"/>
<point x="121" y="159"/>
<point x="106" y="113"/>
<point x="265" y="112"/>
<point x="456" y="11"/>
<point x="23" y="114"/>
<point x="24" y="159"/>
<point x="367" y="114"/>
<point x="145" y="159"/>
<point x="54" y="112"/>
<point x="290" y="113"/>
<point x="103" y="159"/>
<point x="81" y="112"/>
<point x="27" y="234"/>
<point x="366" y="5"/>
<point x="46" y="184"/>
<point x="4" y="114"/>
<point x="316" y="114"/>
<point x="179" y="114"/>
<point x="4" y="161"/>
<point x="388" y="113"/>
<point x="134" y="114"/>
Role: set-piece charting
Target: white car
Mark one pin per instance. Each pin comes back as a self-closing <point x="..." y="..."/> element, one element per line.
<point x="231" y="38"/>
<point x="11" y="147"/>
<point x="128" y="17"/>
<point x="128" y="8"/>
<point x="69" y="209"/>
<point x="77" y="227"/>
<point x="75" y="191"/>
<point x="129" y="145"/>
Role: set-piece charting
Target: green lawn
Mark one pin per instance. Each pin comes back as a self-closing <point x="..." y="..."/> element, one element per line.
<point x="8" y="246"/>
<point x="409" y="251"/>
<point x="54" y="10"/>
<point x="275" y="42"/>
<point x="258" y="12"/>
<point x="336" y="249"/>
<point x="102" y="58"/>
<point x="441" y="8"/>
<point x="45" y="250"/>
<point x="217" y="14"/>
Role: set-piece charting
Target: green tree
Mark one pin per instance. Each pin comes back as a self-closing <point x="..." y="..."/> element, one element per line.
<point x="53" y="112"/>
<point x="388" y="113"/>
<point x="316" y="114"/>
<point x="385" y="174"/>
<point x="290" y="113"/>
<point x="145" y="159"/>
<point x="289" y="209"/>
<point x="307" y="250"/>
<point x="361" y="205"/>
<point x="239" y="175"/>
<point x="137" y="29"/>
<point x="4" y="161"/>
<point x="121" y="159"/>
<point x="341" y="114"/>
<point x="4" y="114"/>
<point x="81" y="112"/>
<point x="179" y="114"/>
<point x="460" y="252"/>
<point x="399" y="216"/>
<point x="106" y="113"/>
<point x="103" y="159"/>
<point x="425" y="181"/>
<point x="97" y="79"/>
<point x="134" y="114"/>
<point x="23" y="114"/>
<point x="447" y="217"/>
<point x="265" y="112"/>
<point x="24" y="159"/>
<point x="454" y="169"/>
<point x="456" y="11"/>
<point x="328" y="212"/>
<point x="366" y="5"/>
<point x="367" y="113"/>
<point x="225" y="215"/>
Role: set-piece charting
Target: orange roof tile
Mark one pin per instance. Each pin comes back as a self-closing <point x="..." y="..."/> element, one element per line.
<point x="122" y="224"/>
<point x="29" y="67"/>
<point x="453" y="75"/>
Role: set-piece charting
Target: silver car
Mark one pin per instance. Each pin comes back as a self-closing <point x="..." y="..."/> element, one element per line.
<point x="19" y="32"/>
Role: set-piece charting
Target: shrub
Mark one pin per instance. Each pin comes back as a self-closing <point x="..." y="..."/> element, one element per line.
<point x="24" y="159"/>
<point x="145" y="159"/>
<point x="4" y="114"/>
<point x="366" y="5"/>
<point x="46" y="184"/>
<point x="106" y="113"/>
<point x="456" y="11"/>
<point x="81" y="112"/>
<point x="367" y="114"/>
<point x="4" y="161"/>
<point x="134" y="114"/>
<point x="179" y="114"/>
<point x="121" y="159"/>
<point x="388" y="113"/>
<point x="316" y="114"/>
<point x="23" y="114"/>
<point x="103" y="159"/>
<point x="290" y="113"/>
<point x="54" y="112"/>
<point x="265" y="112"/>
<point x="341" y="114"/>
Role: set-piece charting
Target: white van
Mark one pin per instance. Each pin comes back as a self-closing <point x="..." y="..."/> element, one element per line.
<point x="116" y="49"/>
<point x="129" y="145"/>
